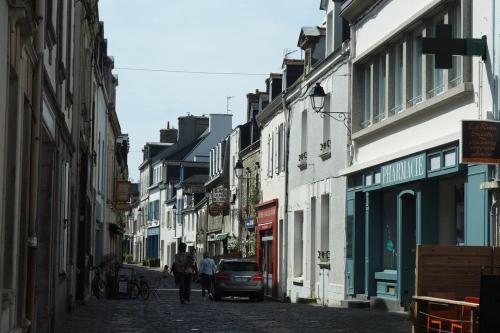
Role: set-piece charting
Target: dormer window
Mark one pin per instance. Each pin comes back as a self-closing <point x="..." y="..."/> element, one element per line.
<point x="312" y="41"/>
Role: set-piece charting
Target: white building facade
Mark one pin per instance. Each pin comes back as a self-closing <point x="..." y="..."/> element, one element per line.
<point x="406" y="183"/>
<point x="318" y="147"/>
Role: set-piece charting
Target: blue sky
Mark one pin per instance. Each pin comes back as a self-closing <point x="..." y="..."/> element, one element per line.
<point x="218" y="35"/>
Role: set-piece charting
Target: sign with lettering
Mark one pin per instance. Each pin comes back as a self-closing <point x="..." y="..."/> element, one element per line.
<point x="402" y="171"/>
<point x="480" y="141"/>
<point x="219" y="195"/>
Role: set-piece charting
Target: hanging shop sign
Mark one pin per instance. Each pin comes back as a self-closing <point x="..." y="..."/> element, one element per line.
<point x="480" y="142"/>
<point x="405" y="170"/>
<point x="219" y="203"/>
<point x="214" y="209"/>
<point x="219" y="195"/>
<point x="122" y="195"/>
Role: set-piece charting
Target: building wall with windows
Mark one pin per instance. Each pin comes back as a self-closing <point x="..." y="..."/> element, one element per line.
<point x="406" y="185"/>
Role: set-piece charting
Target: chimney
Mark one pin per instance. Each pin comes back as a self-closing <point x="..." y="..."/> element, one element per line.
<point x="168" y="135"/>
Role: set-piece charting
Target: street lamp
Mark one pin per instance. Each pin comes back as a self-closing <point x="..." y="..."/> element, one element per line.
<point x="317" y="97"/>
<point x="238" y="169"/>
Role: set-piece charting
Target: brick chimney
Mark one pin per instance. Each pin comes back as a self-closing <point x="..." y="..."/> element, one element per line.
<point x="168" y="135"/>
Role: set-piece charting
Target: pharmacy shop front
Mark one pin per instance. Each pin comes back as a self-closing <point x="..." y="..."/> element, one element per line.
<point x="424" y="198"/>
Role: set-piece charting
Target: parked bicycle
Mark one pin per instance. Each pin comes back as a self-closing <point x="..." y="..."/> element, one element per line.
<point x="98" y="284"/>
<point x="139" y="288"/>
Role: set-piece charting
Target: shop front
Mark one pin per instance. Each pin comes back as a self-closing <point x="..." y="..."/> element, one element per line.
<point x="425" y="198"/>
<point x="267" y="240"/>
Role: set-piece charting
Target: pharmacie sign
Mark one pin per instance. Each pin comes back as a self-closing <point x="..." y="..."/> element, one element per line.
<point x="480" y="141"/>
<point x="405" y="170"/>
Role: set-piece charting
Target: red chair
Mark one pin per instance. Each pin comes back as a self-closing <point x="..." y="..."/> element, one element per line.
<point x="465" y="315"/>
<point x="439" y="315"/>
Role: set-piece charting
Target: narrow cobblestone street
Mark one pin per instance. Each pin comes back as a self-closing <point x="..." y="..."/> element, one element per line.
<point x="165" y="314"/>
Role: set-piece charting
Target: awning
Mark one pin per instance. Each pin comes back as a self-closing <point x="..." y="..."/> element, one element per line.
<point x="220" y="237"/>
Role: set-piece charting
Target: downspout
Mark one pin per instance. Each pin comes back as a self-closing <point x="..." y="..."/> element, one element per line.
<point x="34" y="166"/>
<point x="494" y="223"/>
<point x="286" y="112"/>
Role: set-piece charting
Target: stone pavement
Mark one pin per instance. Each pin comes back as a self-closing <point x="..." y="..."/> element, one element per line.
<point x="166" y="314"/>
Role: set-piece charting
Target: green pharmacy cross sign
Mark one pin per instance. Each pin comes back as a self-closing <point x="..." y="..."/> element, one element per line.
<point x="444" y="46"/>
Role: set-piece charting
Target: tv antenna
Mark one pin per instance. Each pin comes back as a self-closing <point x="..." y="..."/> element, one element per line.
<point x="227" y="103"/>
<point x="287" y="52"/>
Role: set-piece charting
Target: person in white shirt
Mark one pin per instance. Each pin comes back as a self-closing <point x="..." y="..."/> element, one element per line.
<point x="207" y="270"/>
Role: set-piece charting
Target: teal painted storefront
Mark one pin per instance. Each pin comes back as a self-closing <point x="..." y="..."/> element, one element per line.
<point x="425" y="198"/>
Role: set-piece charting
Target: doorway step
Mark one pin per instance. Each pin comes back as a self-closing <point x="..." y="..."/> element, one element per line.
<point x="358" y="302"/>
<point x="386" y="304"/>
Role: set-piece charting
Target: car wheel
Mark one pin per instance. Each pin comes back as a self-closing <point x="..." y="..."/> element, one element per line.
<point x="260" y="297"/>
<point x="217" y="297"/>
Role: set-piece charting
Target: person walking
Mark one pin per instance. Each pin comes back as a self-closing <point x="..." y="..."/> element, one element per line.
<point x="207" y="270"/>
<point x="184" y="271"/>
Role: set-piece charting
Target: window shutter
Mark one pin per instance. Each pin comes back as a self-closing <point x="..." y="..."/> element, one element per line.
<point x="269" y="159"/>
<point x="276" y="150"/>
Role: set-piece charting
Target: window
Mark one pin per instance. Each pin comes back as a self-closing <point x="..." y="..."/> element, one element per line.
<point x="437" y="86"/>
<point x="326" y="120"/>
<point x="303" y="142"/>
<point x="281" y="147"/>
<point x="325" y="222"/>
<point x="382" y="83"/>
<point x="368" y="180"/>
<point x="385" y="88"/>
<point x="367" y="107"/>
<point x="450" y="158"/>
<point x="397" y="105"/>
<point x="377" y="177"/>
<point x="329" y="33"/>
<point x="298" y="244"/>
<point x="454" y="18"/>
<point x="434" y="162"/>
<point x="416" y="70"/>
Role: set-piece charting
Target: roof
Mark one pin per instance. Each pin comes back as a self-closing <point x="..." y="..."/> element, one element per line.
<point x="310" y="33"/>
<point x="177" y="152"/>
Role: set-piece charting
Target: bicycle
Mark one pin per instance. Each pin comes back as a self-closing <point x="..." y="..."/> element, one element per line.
<point x="139" y="288"/>
<point x="98" y="284"/>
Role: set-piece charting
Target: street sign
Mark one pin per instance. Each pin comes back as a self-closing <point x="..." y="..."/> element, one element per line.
<point x="444" y="46"/>
<point x="480" y="142"/>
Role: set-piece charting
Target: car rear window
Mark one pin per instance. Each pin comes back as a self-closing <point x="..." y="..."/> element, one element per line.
<point x="239" y="266"/>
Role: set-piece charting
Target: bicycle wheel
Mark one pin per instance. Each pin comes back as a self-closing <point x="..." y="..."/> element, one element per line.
<point x="134" y="290"/>
<point x="144" y="291"/>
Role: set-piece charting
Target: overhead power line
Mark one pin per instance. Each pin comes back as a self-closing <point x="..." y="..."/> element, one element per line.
<point x="188" y="72"/>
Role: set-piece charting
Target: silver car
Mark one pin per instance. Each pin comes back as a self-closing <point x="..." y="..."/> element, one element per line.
<point x="236" y="277"/>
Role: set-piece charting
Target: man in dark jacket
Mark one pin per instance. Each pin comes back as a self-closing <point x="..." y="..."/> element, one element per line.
<point x="184" y="273"/>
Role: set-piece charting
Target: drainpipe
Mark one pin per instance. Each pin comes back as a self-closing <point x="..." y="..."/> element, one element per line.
<point x="286" y="112"/>
<point x="34" y="166"/>
<point x="494" y="223"/>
